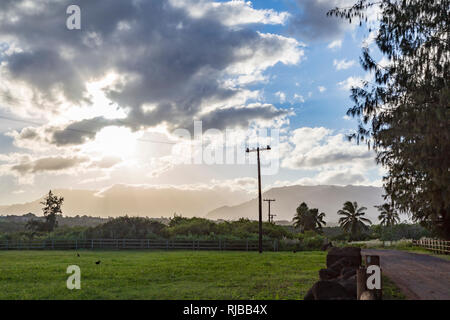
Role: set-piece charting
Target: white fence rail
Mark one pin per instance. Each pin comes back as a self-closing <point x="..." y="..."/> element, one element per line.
<point x="119" y="244"/>
<point x="437" y="246"/>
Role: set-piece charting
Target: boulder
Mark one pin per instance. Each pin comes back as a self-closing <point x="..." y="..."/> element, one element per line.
<point x="309" y="295"/>
<point x="328" y="274"/>
<point x="348" y="272"/>
<point x="350" y="287"/>
<point x="329" y="290"/>
<point x="327" y="246"/>
<point x="351" y="254"/>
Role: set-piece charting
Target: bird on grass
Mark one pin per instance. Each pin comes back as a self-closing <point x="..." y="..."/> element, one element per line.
<point x="78" y="255"/>
<point x="294" y="251"/>
<point x="97" y="262"/>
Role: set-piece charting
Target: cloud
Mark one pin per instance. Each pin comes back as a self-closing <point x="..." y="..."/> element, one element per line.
<point x="298" y="97"/>
<point x="318" y="148"/>
<point x="231" y="13"/>
<point x="321" y="88"/>
<point x="347" y="118"/>
<point x="172" y="63"/>
<point x="353" y="82"/>
<point x="106" y="162"/>
<point x="47" y="164"/>
<point x="335" y="44"/>
<point x="335" y="177"/>
<point x="281" y="96"/>
<point x="343" y="64"/>
<point x="311" y="22"/>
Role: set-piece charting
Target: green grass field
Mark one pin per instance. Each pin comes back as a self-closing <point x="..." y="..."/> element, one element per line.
<point x="163" y="275"/>
<point x="159" y="275"/>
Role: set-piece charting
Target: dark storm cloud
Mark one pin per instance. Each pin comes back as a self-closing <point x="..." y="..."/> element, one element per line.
<point x="48" y="164"/>
<point x="225" y="118"/>
<point x="168" y="60"/>
<point x="312" y="23"/>
<point x="79" y="132"/>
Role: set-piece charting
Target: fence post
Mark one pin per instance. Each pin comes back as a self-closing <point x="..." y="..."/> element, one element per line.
<point x="246" y="244"/>
<point x="92" y="244"/>
<point x="167" y="244"/>
<point x="6" y="244"/>
<point x="360" y="282"/>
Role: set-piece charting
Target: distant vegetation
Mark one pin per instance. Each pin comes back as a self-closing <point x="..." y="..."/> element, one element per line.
<point x="308" y="231"/>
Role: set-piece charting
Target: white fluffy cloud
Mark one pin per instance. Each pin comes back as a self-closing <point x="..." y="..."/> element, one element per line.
<point x="330" y="156"/>
<point x="231" y="13"/>
<point x="354" y="82"/>
<point x="319" y="147"/>
<point x="343" y="64"/>
<point x="335" y="44"/>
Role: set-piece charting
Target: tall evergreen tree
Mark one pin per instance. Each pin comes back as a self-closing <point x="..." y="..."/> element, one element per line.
<point x="405" y="113"/>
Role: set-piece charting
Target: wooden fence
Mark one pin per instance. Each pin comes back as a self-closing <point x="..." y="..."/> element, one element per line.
<point x="119" y="244"/>
<point x="437" y="246"/>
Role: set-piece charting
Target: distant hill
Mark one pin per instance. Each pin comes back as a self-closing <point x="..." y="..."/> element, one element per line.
<point x="328" y="199"/>
<point x="120" y="200"/>
<point x="213" y="204"/>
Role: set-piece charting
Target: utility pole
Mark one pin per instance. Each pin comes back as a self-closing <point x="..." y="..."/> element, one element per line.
<point x="271" y="217"/>
<point x="268" y="202"/>
<point x="257" y="150"/>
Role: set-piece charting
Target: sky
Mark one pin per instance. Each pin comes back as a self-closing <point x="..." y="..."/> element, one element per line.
<point x="171" y="93"/>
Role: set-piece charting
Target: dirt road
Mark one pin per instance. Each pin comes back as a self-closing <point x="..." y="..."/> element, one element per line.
<point x="419" y="276"/>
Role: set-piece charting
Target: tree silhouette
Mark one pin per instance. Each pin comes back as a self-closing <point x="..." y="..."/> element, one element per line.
<point x="52" y="207"/>
<point x="404" y="112"/>
<point x="388" y="216"/>
<point x="353" y="221"/>
<point x="309" y="219"/>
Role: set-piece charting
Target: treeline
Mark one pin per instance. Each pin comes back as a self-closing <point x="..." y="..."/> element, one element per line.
<point x="145" y="228"/>
<point x="181" y="228"/>
<point x="384" y="233"/>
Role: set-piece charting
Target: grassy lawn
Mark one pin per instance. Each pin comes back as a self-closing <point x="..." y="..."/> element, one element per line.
<point x="159" y="274"/>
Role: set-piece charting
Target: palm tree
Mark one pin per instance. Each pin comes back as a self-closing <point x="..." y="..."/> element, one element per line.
<point x="318" y="219"/>
<point x="353" y="221"/>
<point x="308" y="219"/>
<point x="388" y="216"/>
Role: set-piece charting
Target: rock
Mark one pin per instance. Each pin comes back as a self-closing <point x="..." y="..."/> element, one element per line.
<point x="348" y="272"/>
<point x="327" y="246"/>
<point x="328" y="274"/>
<point x="341" y="264"/>
<point x="352" y="255"/>
<point x="329" y="290"/>
<point x="309" y="295"/>
<point x="350" y="287"/>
